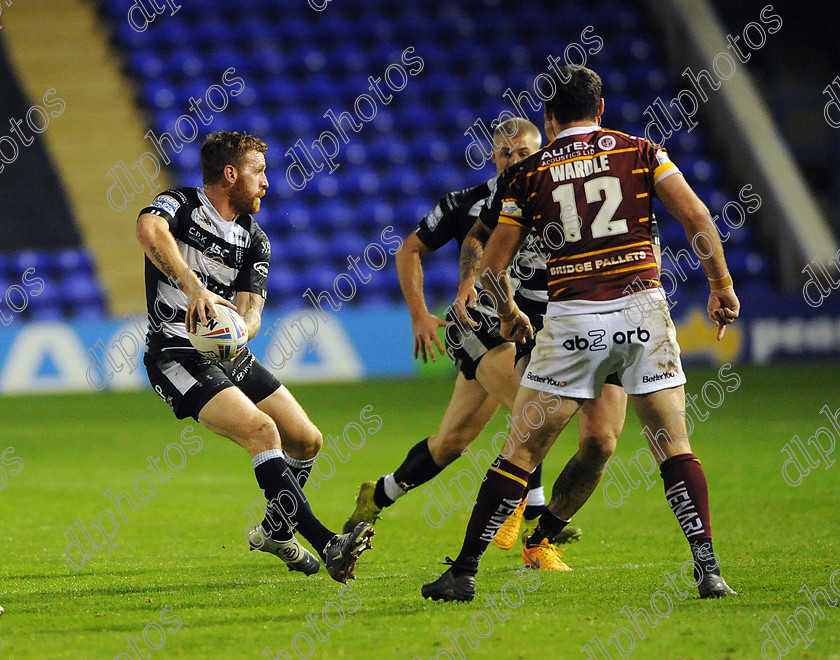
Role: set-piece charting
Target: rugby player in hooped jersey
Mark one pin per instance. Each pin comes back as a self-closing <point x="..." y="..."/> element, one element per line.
<point x="485" y="360"/>
<point x="204" y="249"/>
<point x="605" y="233"/>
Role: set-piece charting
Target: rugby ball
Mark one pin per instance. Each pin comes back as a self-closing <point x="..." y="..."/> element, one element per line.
<point x="221" y="338"/>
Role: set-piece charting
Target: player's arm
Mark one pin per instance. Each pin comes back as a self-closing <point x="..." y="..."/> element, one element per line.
<point x="503" y="244"/>
<point x="472" y="251"/>
<point x="159" y="244"/>
<point x="410" y="273"/>
<point x="250" y="307"/>
<point x="685" y="206"/>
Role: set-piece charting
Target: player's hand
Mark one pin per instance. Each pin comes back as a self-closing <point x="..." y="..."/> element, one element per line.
<point x="466" y="299"/>
<point x="517" y="330"/>
<point x="724" y="308"/>
<point x="202" y="303"/>
<point x="426" y="336"/>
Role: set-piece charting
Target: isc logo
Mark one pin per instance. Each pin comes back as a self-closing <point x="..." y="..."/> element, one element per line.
<point x="596" y="343"/>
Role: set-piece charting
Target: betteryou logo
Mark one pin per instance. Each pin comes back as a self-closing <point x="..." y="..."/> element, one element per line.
<point x="544" y="379"/>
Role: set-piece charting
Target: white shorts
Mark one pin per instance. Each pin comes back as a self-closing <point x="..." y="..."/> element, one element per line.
<point x="578" y="349"/>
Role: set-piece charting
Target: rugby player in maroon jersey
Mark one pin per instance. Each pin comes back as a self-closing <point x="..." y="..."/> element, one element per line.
<point x="588" y="195"/>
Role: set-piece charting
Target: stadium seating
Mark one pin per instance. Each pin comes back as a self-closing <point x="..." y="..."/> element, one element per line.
<point x="298" y="63"/>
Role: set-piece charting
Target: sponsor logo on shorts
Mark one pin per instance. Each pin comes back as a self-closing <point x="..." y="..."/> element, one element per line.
<point x="544" y="379"/>
<point x="657" y="377"/>
<point x="596" y="343"/>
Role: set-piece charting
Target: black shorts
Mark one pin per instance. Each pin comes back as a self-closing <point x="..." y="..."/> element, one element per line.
<point x="535" y="311"/>
<point x="466" y="346"/>
<point x="187" y="380"/>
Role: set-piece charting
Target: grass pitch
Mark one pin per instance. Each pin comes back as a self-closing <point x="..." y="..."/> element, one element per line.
<point x="179" y="581"/>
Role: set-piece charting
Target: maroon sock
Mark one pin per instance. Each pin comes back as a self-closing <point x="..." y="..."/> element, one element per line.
<point x="687" y="494"/>
<point x="499" y="495"/>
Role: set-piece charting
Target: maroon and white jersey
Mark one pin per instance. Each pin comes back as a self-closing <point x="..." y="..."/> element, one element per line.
<point x="588" y="195"/>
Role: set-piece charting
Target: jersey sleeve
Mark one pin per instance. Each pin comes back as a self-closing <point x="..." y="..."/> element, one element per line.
<point x="489" y="215"/>
<point x="659" y="162"/>
<point x="513" y="209"/>
<point x="439" y="225"/>
<point x="169" y="206"/>
<point x="253" y="276"/>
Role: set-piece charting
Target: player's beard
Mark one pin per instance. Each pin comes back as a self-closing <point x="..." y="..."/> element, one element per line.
<point x="242" y="201"/>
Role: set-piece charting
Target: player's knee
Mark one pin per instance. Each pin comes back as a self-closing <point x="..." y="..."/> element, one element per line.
<point x="260" y="430"/>
<point x="445" y="448"/>
<point x="596" y="448"/>
<point x="313" y="442"/>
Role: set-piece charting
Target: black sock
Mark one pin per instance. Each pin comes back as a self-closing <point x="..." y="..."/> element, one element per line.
<point x="300" y="469"/>
<point x="705" y="562"/>
<point x="287" y="505"/>
<point x="534" y="511"/>
<point x="417" y="468"/>
<point x="380" y="499"/>
<point x="548" y="527"/>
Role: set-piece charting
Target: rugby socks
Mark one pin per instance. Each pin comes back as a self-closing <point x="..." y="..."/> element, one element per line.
<point x="417" y="468"/>
<point x="287" y="505"/>
<point x="687" y="494"/>
<point x="300" y="468"/>
<point x="499" y="495"/>
<point x="548" y="527"/>
<point x="536" y="494"/>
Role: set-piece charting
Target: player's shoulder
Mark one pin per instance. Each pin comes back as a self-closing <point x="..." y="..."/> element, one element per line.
<point x="610" y="139"/>
<point x="259" y="239"/>
<point x="172" y="200"/>
<point x="465" y="198"/>
<point x="250" y="225"/>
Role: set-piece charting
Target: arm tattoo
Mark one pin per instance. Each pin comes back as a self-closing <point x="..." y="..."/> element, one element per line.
<point x="470" y="263"/>
<point x="164" y="267"/>
<point x="472" y="250"/>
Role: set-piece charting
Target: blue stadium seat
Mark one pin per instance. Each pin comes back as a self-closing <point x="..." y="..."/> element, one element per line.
<point x="298" y="63"/>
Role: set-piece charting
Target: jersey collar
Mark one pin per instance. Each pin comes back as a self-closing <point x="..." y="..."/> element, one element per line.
<point x="578" y="130"/>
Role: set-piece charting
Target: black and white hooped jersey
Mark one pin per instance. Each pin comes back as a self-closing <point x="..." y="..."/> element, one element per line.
<point x="227" y="256"/>
<point x="453" y="218"/>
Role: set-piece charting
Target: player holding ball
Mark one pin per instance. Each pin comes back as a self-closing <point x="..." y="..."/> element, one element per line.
<point x="204" y="250"/>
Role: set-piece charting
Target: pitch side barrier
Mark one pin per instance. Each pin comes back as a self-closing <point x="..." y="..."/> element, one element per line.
<point x="127" y="349"/>
<point x="285" y="344"/>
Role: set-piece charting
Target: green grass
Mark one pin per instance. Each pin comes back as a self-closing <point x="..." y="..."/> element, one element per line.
<point x="184" y="548"/>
